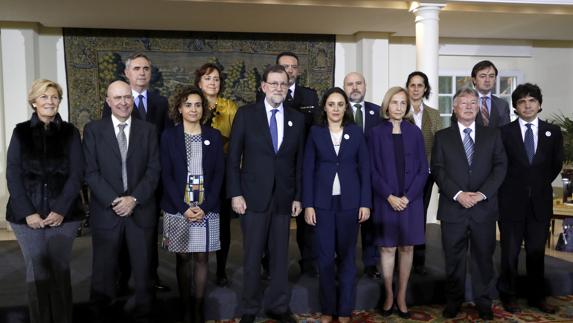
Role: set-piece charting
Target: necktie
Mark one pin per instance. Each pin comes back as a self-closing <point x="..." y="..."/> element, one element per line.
<point x="529" y="144"/>
<point x="358" y="116"/>
<point x="141" y="108"/>
<point x="274" y="129"/>
<point x="484" y="112"/>
<point x="289" y="96"/>
<point x="122" y="141"/>
<point x="468" y="145"/>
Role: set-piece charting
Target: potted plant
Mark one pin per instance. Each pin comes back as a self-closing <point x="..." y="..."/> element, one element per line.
<point x="566" y="125"/>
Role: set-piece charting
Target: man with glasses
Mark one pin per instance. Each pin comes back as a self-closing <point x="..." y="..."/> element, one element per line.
<point x="264" y="183"/>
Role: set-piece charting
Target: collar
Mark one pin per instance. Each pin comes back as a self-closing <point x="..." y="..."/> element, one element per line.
<point x="35" y="120"/>
<point x="471" y="126"/>
<point x="269" y="107"/>
<point x="534" y="122"/>
<point x="137" y="94"/>
<point x="362" y="104"/>
<point x="291" y="88"/>
<point x="487" y="95"/>
<point x="116" y="121"/>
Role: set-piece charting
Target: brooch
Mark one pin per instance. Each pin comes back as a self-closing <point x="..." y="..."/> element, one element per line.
<point x="547" y="133"/>
<point x="371" y="112"/>
<point x="346" y="136"/>
<point x="290" y="123"/>
<point x="207" y="142"/>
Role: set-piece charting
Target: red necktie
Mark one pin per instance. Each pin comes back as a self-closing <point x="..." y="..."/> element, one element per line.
<point x="484" y="113"/>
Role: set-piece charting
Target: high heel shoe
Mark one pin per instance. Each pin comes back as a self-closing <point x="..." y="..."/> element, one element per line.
<point x="387" y="312"/>
<point x="405" y="315"/>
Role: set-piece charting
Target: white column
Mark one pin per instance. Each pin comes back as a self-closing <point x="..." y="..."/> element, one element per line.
<point x="18" y="48"/>
<point x="427" y="43"/>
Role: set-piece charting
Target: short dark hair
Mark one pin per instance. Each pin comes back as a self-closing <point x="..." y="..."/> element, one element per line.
<point x="135" y="56"/>
<point x="273" y="69"/>
<point x="347" y="118"/>
<point x="483" y="65"/>
<point x="291" y="54"/>
<point x="206" y="69"/>
<point x="523" y="90"/>
<point x="426" y="82"/>
<point x="180" y="96"/>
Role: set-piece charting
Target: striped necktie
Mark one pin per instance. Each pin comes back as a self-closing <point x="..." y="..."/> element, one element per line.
<point x="468" y="145"/>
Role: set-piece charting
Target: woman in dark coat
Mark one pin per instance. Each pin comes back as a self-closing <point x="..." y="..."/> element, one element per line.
<point x="336" y="197"/>
<point x="399" y="170"/>
<point x="192" y="170"/>
<point x="44" y="174"/>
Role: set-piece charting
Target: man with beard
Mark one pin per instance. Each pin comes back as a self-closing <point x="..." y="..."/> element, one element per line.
<point x="366" y="115"/>
<point x="264" y="183"/>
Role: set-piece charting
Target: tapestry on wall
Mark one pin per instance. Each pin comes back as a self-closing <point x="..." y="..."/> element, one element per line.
<point x="96" y="57"/>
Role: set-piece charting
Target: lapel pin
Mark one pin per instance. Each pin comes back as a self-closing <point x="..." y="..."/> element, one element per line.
<point x="547" y="133"/>
<point x="346" y="136"/>
<point x="290" y="123"/>
<point x="371" y="112"/>
<point x="207" y="142"/>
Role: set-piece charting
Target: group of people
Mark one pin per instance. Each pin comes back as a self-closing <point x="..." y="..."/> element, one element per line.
<point x="338" y="166"/>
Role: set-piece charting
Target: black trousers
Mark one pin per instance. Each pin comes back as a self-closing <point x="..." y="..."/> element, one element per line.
<point x="513" y="233"/>
<point x="262" y="229"/>
<point x="420" y="250"/>
<point x="457" y="240"/>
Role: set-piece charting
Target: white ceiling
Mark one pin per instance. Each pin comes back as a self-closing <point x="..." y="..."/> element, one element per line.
<point x="459" y="19"/>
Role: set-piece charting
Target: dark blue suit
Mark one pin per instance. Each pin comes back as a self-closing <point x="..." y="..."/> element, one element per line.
<point x="174" y="169"/>
<point x="336" y="216"/>
<point x="370" y="254"/>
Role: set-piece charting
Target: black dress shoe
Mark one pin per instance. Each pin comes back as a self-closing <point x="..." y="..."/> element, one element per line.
<point x="544" y="307"/>
<point x="287" y="317"/>
<point x="247" y="318"/>
<point x="486" y="315"/>
<point x="222" y="280"/>
<point x="404" y="315"/>
<point x="387" y="312"/>
<point x="372" y="272"/>
<point x="450" y="311"/>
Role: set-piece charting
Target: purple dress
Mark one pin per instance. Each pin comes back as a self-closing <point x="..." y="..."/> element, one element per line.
<point x="394" y="228"/>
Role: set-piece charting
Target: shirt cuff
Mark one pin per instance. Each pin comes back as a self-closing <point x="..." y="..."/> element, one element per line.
<point x="456" y="196"/>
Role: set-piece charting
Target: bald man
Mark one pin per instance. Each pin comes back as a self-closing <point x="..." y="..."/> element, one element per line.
<point x="122" y="171"/>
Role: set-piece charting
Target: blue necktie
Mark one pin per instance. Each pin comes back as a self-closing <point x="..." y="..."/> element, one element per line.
<point x="528" y="141"/>
<point x="469" y="145"/>
<point x="141" y="108"/>
<point x="274" y="129"/>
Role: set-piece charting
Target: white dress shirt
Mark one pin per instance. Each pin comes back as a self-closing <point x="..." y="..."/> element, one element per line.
<point x="534" y="129"/>
<point x="418" y="116"/>
<point x="363" y="107"/>
<point x="336" y="142"/>
<point x="136" y="98"/>
<point x="126" y="130"/>
<point x="280" y="116"/>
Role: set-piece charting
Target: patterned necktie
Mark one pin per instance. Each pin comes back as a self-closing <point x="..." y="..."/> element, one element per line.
<point x="358" y="116"/>
<point x="274" y="130"/>
<point x="141" y="108"/>
<point x="528" y="142"/>
<point x="122" y="141"/>
<point x="484" y="112"/>
<point x="468" y="145"/>
<point x="289" y="96"/>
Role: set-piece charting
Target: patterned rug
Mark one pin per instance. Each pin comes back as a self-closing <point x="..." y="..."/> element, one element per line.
<point x="433" y="313"/>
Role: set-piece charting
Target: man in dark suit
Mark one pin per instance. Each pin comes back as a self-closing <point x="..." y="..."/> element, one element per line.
<point x="122" y="171"/>
<point x="429" y="121"/>
<point x="264" y="183"/>
<point x="366" y="115"/>
<point x="535" y="155"/>
<point x="493" y="111"/>
<point x="469" y="164"/>
<point x="153" y="108"/>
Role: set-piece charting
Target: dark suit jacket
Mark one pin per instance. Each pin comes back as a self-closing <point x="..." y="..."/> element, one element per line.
<point x="431" y="123"/>
<point x="524" y="180"/>
<point x="321" y="163"/>
<point x="157" y="112"/>
<point x="254" y="170"/>
<point x="305" y="101"/>
<point x="372" y="117"/>
<point x="453" y="173"/>
<point x="103" y="171"/>
<point x="498" y="116"/>
<point x="174" y="169"/>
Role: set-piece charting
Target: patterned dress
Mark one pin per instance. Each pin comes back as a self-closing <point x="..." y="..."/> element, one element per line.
<point x="181" y="234"/>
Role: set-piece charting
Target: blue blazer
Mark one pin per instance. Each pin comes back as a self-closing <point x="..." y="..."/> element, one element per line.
<point x="372" y="116"/>
<point x="174" y="169"/>
<point x="321" y="164"/>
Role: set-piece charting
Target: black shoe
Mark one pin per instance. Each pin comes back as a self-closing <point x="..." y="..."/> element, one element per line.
<point x="222" y="280"/>
<point x="486" y="315"/>
<point x="247" y="318"/>
<point x="420" y="270"/>
<point x="450" y="311"/>
<point x="160" y="287"/>
<point x="372" y="272"/>
<point x="287" y="317"/>
<point x="404" y="315"/>
<point x="544" y="307"/>
<point x="387" y="312"/>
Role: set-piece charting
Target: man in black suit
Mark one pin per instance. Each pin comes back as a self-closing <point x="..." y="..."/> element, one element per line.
<point x="264" y="181"/>
<point x="493" y="111"/>
<point x="535" y="155"/>
<point x="122" y="171"/>
<point x="153" y="108"/>
<point x="469" y="164"/>
<point x="366" y="115"/>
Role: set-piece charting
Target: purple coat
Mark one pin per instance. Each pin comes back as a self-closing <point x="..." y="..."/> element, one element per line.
<point x="394" y="228"/>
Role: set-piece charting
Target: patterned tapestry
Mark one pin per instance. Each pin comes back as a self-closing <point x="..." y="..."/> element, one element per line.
<point x="95" y="58"/>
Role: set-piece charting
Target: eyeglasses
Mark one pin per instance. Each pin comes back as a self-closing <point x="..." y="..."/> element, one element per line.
<point x="124" y="97"/>
<point x="274" y="85"/>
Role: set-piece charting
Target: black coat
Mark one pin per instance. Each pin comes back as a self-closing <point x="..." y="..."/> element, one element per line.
<point x="44" y="170"/>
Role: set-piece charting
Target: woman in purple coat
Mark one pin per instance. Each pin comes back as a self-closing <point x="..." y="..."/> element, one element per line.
<point x="399" y="170"/>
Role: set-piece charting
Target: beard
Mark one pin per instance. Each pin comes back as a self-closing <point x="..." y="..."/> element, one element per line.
<point x="356" y="97"/>
<point x="275" y="99"/>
